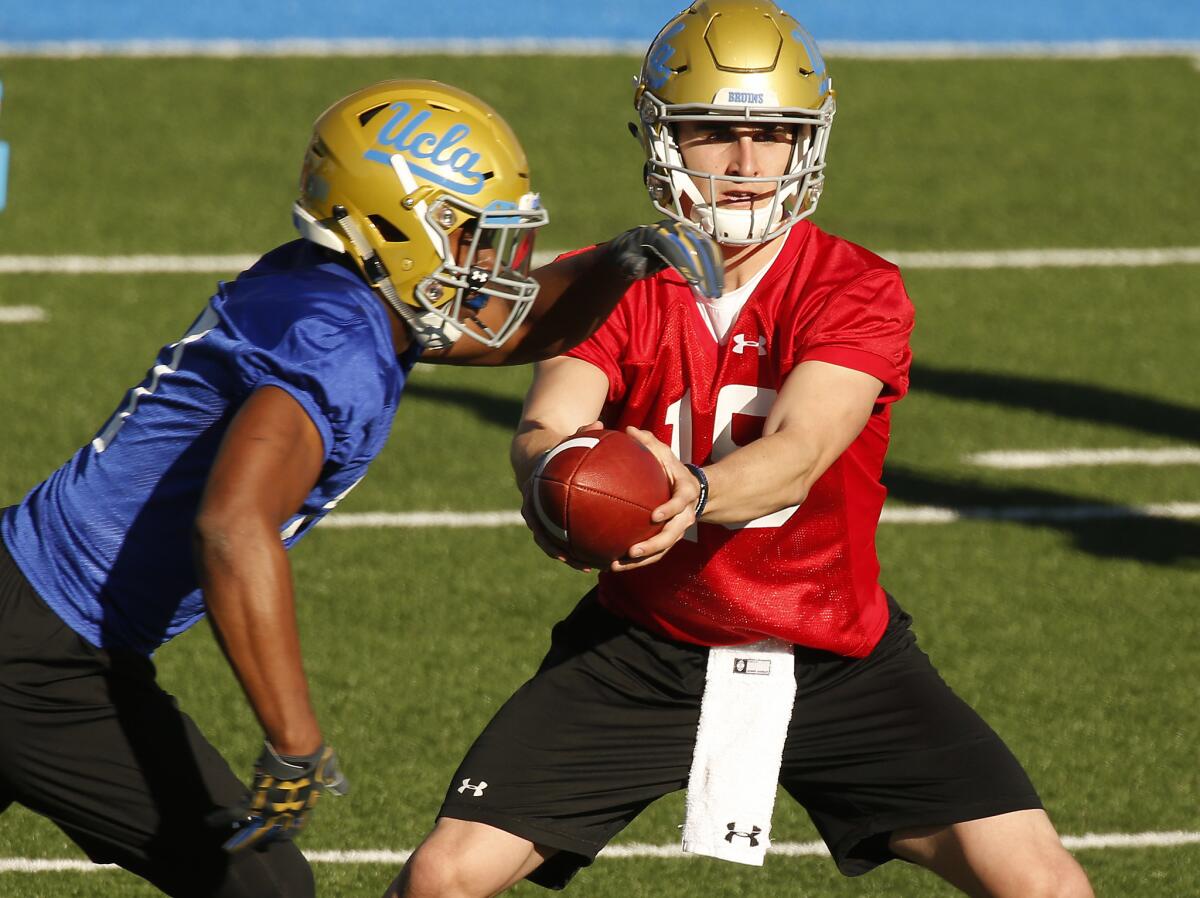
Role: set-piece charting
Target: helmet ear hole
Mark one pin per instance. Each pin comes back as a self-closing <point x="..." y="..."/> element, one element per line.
<point x="367" y="114"/>
<point x="388" y="231"/>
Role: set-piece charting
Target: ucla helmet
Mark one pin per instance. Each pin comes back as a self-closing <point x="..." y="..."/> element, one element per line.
<point x="737" y="61"/>
<point x="427" y="189"/>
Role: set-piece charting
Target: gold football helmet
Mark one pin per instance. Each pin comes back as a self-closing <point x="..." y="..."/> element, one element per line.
<point x="427" y="189"/>
<point x="737" y="61"/>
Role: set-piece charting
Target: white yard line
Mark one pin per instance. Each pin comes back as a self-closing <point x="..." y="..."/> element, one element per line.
<point x="382" y="519"/>
<point x="1066" y="458"/>
<point x="919" y="514"/>
<point x="631" y="850"/>
<point x="229" y="265"/>
<point x="49" y="865"/>
<point x="125" y="264"/>
<point x="21" y="314"/>
<point x="932" y="514"/>
<point x="898" y="50"/>
<point x="1049" y="258"/>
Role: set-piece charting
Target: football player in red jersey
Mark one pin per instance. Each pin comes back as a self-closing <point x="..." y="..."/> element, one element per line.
<point x="769" y="407"/>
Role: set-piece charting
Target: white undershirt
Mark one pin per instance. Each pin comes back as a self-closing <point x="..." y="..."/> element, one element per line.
<point x="719" y="314"/>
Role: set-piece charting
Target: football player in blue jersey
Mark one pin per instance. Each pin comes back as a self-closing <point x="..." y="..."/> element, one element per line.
<point x="417" y="224"/>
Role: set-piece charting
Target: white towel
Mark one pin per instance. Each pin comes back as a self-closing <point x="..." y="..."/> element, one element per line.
<point x="748" y="695"/>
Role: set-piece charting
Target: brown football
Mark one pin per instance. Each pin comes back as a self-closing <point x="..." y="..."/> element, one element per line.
<point x="594" y="492"/>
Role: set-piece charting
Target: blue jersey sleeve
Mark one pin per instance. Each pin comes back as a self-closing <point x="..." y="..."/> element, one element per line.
<point x="328" y="353"/>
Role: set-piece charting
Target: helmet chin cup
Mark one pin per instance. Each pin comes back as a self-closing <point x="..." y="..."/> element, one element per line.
<point x="740" y="225"/>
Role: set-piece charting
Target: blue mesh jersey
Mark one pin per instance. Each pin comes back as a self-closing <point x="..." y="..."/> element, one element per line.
<point x="106" y="539"/>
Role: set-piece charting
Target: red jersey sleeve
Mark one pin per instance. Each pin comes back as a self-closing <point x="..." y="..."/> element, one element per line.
<point x="865" y="326"/>
<point x="605" y="349"/>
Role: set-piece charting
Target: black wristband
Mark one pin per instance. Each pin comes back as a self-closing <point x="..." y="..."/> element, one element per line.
<point x="702" y="479"/>
<point x="287" y="766"/>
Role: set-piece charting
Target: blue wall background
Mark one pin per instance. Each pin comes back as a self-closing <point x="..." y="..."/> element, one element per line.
<point x="30" y="21"/>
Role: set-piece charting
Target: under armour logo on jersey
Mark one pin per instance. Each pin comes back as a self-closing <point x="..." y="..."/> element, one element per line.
<point x="475" y="790"/>
<point x="733" y="831"/>
<point x="741" y="344"/>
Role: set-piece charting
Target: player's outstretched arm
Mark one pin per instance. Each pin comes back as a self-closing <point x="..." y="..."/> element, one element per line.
<point x="268" y="462"/>
<point x="819" y="412"/>
<point x="577" y="292"/>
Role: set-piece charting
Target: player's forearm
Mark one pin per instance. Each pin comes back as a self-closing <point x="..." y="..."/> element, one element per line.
<point x="771" y="473"/>
<point x="532" y="440"/>
<point x="247" y="586"/>
<point x="576" y="294"/>
<point x="819" y="412"/>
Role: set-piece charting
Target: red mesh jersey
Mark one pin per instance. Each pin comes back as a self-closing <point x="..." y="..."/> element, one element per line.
<point x="808" y="573"/>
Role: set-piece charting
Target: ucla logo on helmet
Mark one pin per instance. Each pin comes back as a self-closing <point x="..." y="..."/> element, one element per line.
<point x="439" y="158"/>
<point x="657" y="70"/>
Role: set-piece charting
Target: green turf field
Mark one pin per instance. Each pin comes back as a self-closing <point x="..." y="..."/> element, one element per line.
<point x="1076" y="639"/>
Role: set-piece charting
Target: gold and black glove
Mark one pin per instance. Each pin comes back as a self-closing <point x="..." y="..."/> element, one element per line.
<point x="646" y="250"/>
<point x="282" y="797"/>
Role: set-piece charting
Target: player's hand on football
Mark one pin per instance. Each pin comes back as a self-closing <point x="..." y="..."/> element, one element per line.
<point x="678" y="513"/>
<point x="646" y="250"/>
<point x="282" y="797"/>
<point x="545" y="541"/>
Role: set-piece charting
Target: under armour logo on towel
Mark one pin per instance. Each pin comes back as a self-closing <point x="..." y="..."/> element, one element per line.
<point x="741" y="344"/>
<point x="733" y="831"/>
<point x="475" y="790"/>
<point x="759" y="666"/>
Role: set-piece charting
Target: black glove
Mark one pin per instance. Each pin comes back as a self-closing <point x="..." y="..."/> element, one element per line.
<point x="646" y="250"/>
<point x="284" y="792"/>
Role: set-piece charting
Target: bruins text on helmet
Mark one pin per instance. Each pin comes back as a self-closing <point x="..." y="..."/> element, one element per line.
<point x="402" y="175"/>
<point x="743" y="62"/>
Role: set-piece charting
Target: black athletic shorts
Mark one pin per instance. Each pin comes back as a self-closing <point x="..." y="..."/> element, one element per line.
<point x="89" y="740"/>
<point x="608" y="724"/>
